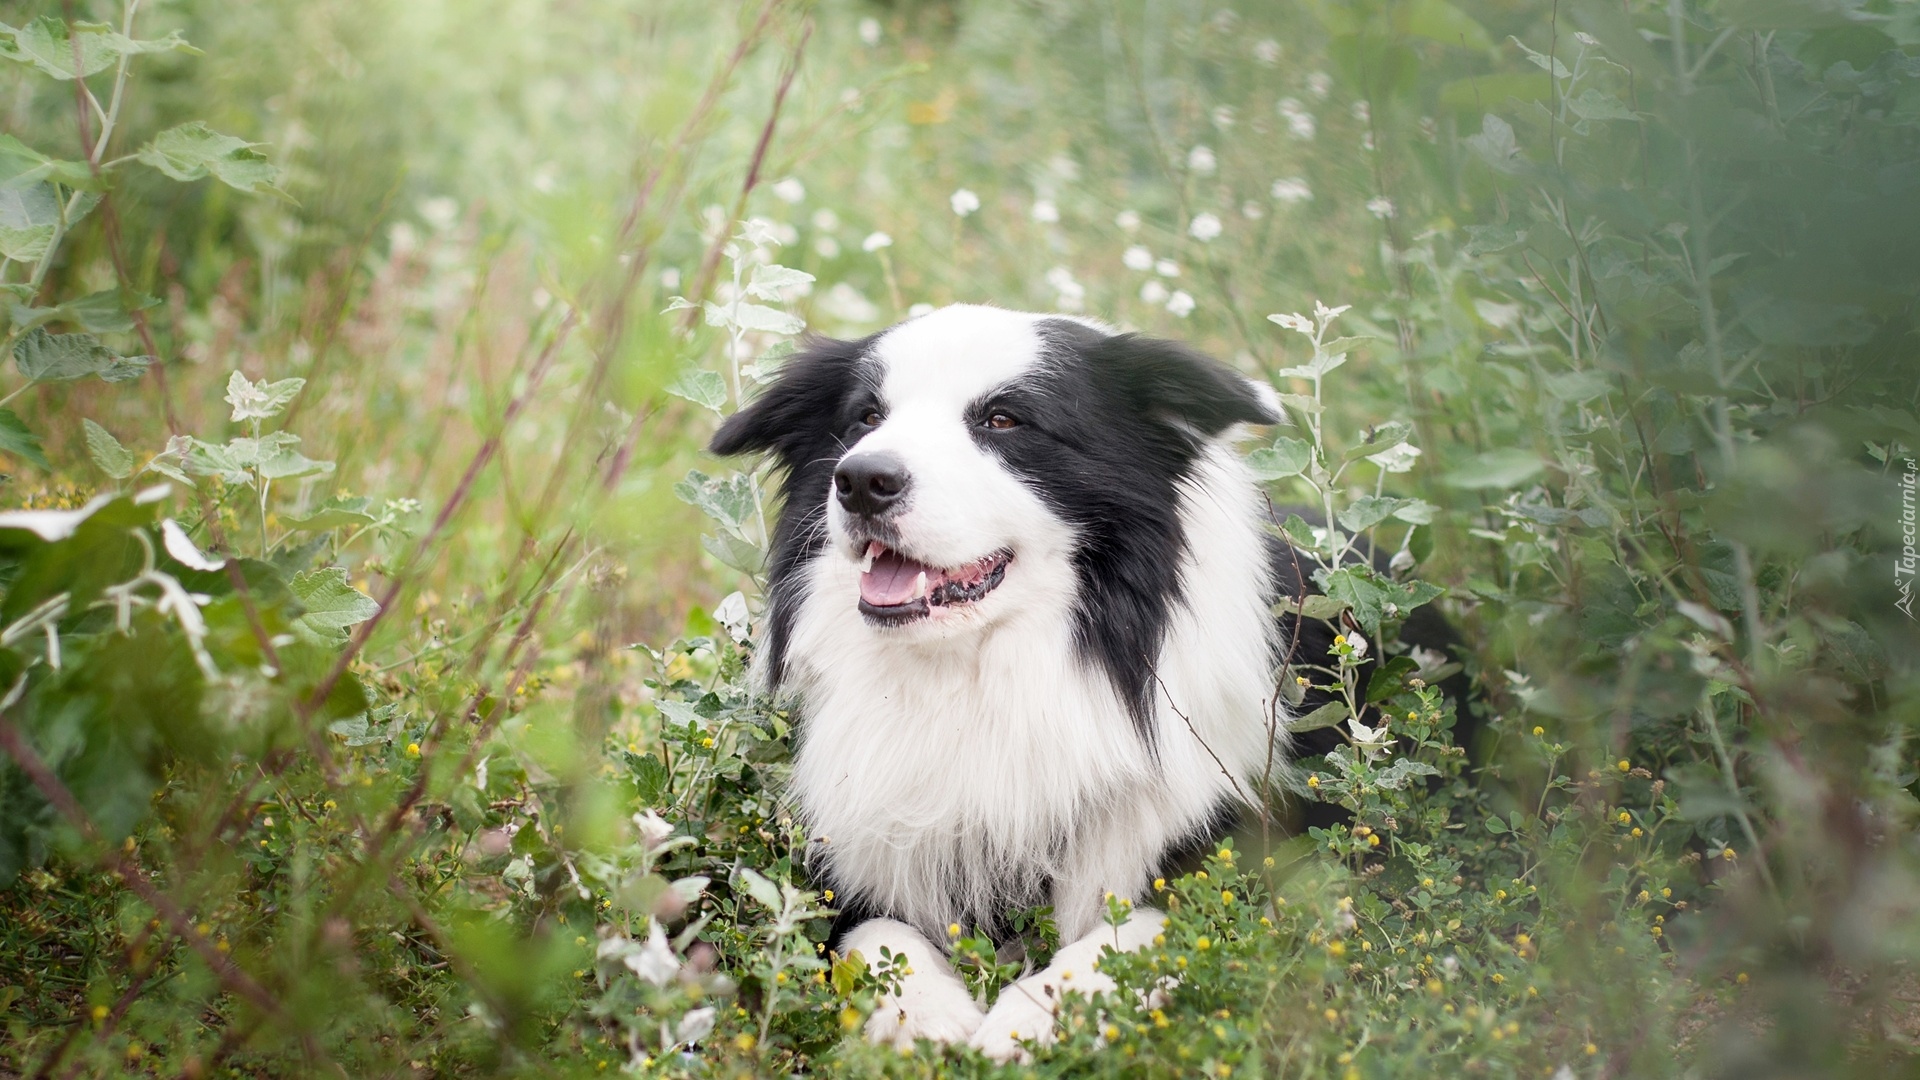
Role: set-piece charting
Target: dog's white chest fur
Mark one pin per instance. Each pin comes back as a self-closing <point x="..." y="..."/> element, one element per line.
<point x="940" y="778"/>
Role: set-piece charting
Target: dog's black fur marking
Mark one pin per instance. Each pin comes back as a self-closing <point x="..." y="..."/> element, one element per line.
<point x="807" y="418"/>
<point x="1106" y="430"/>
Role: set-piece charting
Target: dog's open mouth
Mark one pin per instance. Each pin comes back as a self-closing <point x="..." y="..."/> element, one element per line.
<point x="896" y="589"/>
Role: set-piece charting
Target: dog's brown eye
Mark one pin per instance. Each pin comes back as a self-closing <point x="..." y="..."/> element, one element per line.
<point x="872" y="419"/>
<point x="1001" y="421"/>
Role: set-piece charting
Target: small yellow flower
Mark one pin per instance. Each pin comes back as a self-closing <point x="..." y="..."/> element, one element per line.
<point x="1624" y="818"/>
<point x="1267" y="862"/>
<point x="1637" y="833"/>
<point x="849" y="1018"/>
<point x="1741" y="978"/>
<point x="1332" y="1015"/>
<point x="329" y="805"/>
<point x="1159" y="939"/>
<point x="1339" y="639"/>
<point x="1226" y="855"/>
<point x="1623" y="765"/>
<point x="1300" y="680"/>
<point x="1313" y="781"/>
<point x="1110" y="1032"/>
<point x="1533" y="991"/>
<point x="1426" y="882"/>
<point x="1226" y="896"/>
<point x="1539" y="731"/>
<point x="1202" y="874"/>
<point x="99" y="1012"/>
<point x="1365" y="945"/>
<point x="1373" y="840"/>
<point x="1591" y="1049"/>
<point x="1159" y="883"/>
<point x="1434" y="986"/>
<point x="1727" y="853"/>
<point x="828" y="895"/>
<point x="413" y="749"/>
<point x="1264" y="921"/>
<point x="707" y="742"/>
<point x="953" y="929"/>
<point x="744" y="1041"/>
<point x="1499" y="894"/>
<point x="1203" y="944"/>
<point x="1336" y="949"/>
<point x="1498" y="978"/>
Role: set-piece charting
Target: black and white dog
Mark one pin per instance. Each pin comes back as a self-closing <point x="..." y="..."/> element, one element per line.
<point x="1021" y="588"/>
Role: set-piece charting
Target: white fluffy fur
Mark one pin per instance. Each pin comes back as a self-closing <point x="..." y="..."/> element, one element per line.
<point x="942" y="757"/>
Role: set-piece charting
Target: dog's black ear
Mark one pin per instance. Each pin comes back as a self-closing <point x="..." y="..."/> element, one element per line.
<point x="803" y="401"/>
<point x="1173" y="380"/>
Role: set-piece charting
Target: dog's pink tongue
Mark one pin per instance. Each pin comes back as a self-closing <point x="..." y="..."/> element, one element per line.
<point x="892" y="579"/>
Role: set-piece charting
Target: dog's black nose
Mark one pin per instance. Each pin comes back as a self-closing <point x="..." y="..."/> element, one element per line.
<point x="870" y="483"/>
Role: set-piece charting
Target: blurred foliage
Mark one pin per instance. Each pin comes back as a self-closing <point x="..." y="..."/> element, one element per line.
<point x="406" y="729"/>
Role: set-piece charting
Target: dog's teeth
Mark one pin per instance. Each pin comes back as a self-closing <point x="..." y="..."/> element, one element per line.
<point x="919" y="585"/>
<point x="866" y="561"/>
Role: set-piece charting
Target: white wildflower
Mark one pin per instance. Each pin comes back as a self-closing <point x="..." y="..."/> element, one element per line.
<point x="790" y="190"/>
<point x="1319" y="84"/>
<point x="1205" y="227"/>
<point x="870" y="31"/>
<point x="825" y="220"/>
<point x="696" y="1025"/>
<point x="1071" y="294"/>
<point x="1267" y="51"/>
<point x="1223" y="116"/>
<point x="440" y="212"/>
<point x="1362" y="111"/>
<point x="827" y="247"/>
<point x="1166" y="268"/>
<point x="1045" y="212"/>
<point x="1153" y="292"/>
<point x="963" y="201"/>
<point x="1292" y="189"/>
<point x="1252" y="211"/>
<point x="845" y="303"/>
<point x="1201" y="160"/>
<point x="653" y="828"/>
<point x="1380" y="206"/>
<point x="875" y="241"/>
<point x="1128" y="221"/>
<point x="1375" y="742"/>
<point x="654" y="961"/>
<point x="670" y="279"/>
<point x="1137" y="258"/>
<point x="1180" y="303"/>
<point x="1301" y="125"/>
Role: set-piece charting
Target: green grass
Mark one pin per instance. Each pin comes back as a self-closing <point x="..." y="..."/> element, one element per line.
<point x="1645" y="306"/>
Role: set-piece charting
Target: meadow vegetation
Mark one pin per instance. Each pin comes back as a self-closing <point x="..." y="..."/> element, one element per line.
<point x="374" y="636"/>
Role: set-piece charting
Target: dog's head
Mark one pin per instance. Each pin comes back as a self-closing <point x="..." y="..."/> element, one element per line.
<point x="974" y="464"/>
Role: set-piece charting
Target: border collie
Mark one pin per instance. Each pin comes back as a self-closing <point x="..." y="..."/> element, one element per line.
<point x="1021" y="588"/>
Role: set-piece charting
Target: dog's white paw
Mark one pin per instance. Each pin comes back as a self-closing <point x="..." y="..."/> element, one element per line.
<point x="1022" y="1014"/>
<point x="940" y="1011"/>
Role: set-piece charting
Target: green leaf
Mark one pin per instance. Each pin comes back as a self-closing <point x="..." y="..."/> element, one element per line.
<point x="1497" y="825"/>
<point x="1595" y="104"/>
<point x="104" y="312"/>
<point x="704" y="388"/>
<point x="728" y="500"/>
<point x="1382" y="438"/>
<point x="106" y="451"/>
<point x="1495" y="144"/>
<point x="191" y="151"/>
<point x="1497" y="469"/>
<point x="1370" y="510"/>
<point x="23" y="166"/>
<point x="1543" y="61"/>
<point x="768" y="280"/>
<point x="260" y="400"/>
<point x="1326" y="716"/>
<point x="209" y="459"/>
<point x="766" y="319"/>
<point x="339" y="512"/>
<point x="735" y="552"/>
<point x="15" y="439"/>
<point x="84" y="48"/>
<point x="332" y="604"/>
<point x="1357" y="586"/>
<point x="1437" y="20"/>
<point x="1390" y="678"/>
<point x="1487" y="239"/>
<point x="758" y="887"/>
<point x="278" y="460"/>
<point x="1311" y="606"/>
<point x="45" y="357"/>
<point x="1287" y="457"/>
